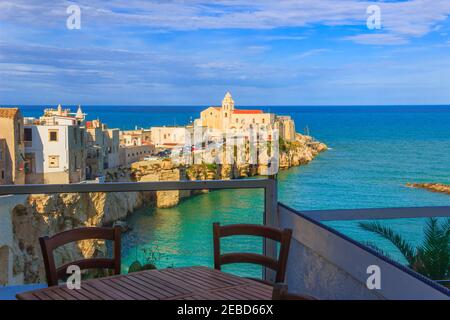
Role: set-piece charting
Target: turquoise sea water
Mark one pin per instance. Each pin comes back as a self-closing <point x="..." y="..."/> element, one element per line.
<point x="374" y="152"/>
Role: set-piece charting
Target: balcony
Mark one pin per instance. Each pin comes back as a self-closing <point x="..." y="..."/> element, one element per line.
<point x="323" y="261"/>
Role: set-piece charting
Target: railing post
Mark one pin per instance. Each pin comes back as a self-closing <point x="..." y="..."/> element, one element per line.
<point x="270" y="219"/>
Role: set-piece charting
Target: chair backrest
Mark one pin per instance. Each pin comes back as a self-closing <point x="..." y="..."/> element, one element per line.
<point x="49" y="244"/>
<point x="281" y="236"/>
<point x="280" y="292"/>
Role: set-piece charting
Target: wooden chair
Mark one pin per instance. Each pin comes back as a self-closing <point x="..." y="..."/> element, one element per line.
<point x="281" y="236"/>
<point x="49" y="244"/>
<point x="280" y="292"/>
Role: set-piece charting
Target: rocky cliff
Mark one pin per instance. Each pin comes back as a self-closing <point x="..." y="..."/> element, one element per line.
<point x="301" y="151"/>
<point x="434" y="187"/>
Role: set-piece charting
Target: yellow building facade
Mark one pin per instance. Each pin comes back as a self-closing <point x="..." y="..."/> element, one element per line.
<point x="12" y="154"/>
<point x="226" y="118"/>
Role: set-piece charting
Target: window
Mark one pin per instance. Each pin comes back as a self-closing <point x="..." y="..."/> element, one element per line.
<point x="3" y="174"/>
<point x="53" y="161"/>
<point x="53" y="135"/>
<point x="253" y="120"/>
<point x="263" y="120"/>
<point x="237" y="120"/>
<point x="226" y="114"/>
<point x="28" y="135"/>
<point x="81" y="136"/>
<point x="1" y="154"/>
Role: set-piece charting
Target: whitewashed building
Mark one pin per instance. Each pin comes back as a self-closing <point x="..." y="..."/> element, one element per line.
<point x="135" y="145"/>
<point x="55" y="149"/>
<point x="169" y="136"/>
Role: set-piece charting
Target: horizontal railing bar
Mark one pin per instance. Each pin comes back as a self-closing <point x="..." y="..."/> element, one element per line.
<point x="377" y="213"/>
<point x="136" y="186"/>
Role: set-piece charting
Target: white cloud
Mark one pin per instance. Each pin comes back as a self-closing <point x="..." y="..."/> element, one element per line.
<point x="284" y="38"/>
<point x="311" y="53"/>
<point x="405" y="19"/>
<point x="377" y="39"/>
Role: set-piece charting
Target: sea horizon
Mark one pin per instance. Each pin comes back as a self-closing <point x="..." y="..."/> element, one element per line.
<point x="237" y="106"/>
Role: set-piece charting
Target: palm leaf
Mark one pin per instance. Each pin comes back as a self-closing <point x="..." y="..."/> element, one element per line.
<point x="433" y="256"/>
<point x="403" y="246"/>
<point x="446" y="227"/>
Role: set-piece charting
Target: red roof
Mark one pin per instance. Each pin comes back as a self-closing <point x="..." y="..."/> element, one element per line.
<point x="88" y="124"/>
<point x="236" y="111"/>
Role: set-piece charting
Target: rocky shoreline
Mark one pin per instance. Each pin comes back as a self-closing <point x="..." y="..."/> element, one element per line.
<point x="433" y="187"/>
<point x="49" y="214"/>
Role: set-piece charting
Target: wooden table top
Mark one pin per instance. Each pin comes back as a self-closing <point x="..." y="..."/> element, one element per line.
<point x="193" y="283"/>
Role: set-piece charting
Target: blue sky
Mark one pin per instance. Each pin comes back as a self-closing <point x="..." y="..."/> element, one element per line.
<point x="268" y="52"/>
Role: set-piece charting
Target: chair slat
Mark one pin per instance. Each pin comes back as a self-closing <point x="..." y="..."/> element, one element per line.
<point x="86" y="264"/>
<point x="251" y="230"/>
<point x="253" y="258"/>
<point x="79" y="234"/>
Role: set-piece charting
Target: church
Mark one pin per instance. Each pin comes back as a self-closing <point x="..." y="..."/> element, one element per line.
<point x="227" y="118"/>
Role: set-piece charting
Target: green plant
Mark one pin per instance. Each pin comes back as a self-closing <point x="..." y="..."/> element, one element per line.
<point x="431" y="258"/>
<point x="135" y="267"/>
<point x="151" y="256"/>
<point x="282" y="145"/>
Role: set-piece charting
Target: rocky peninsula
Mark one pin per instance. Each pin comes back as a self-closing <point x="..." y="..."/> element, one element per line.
<point x="433" y="187"/>
<point x="37" y="215"/>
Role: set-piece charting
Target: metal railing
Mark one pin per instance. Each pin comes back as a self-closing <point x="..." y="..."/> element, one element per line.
<point x="269" y="185"/>
<point x="377" y="213"/>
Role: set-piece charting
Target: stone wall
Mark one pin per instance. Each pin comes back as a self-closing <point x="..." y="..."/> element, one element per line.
<point x="7" y="205"/>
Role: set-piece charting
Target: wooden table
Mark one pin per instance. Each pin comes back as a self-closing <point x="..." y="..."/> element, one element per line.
<point x="193" y="283"/>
